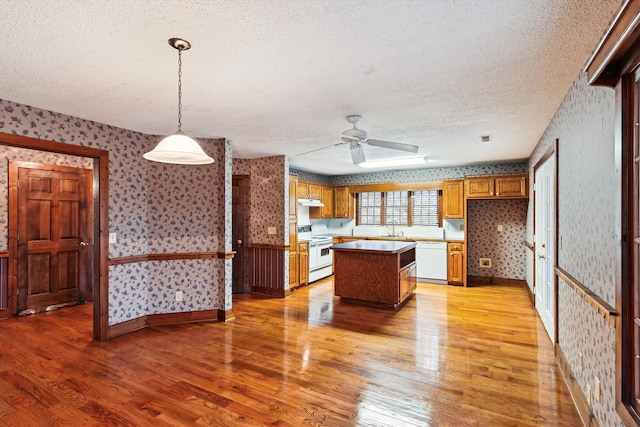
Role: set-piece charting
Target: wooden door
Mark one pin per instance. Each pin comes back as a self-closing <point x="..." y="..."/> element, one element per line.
<point x="240" y="233"/>
<point x="55" y="237"/>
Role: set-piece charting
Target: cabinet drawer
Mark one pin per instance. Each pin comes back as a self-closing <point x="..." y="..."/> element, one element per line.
<point x="303" y="247"/>
<point x="454" y="247"/>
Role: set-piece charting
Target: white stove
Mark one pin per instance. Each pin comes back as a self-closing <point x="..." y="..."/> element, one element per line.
<point x="320" y="256"/>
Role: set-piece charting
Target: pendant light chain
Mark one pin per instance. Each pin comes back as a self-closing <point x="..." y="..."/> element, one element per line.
<point x="179" y="89"/>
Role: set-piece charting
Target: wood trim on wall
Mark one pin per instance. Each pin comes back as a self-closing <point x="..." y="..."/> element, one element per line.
<point x="100" y="285"/>
<point x="269" y="246"/>
<point x="394" y="186"/>
<point x="614" y="54"/>
<point x="182" y="317"/>
<point x="170" y="257"/>
<point x="599" y="305"/>
<point x="4" y="254"/>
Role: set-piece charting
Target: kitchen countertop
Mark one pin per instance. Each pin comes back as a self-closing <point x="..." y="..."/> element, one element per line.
<point x="400" y="239"/>
<point x="387" y="246"/>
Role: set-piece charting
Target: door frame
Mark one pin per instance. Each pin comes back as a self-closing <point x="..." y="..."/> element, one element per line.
<point x="553" y="149"/>
<point x="100" y="279"/>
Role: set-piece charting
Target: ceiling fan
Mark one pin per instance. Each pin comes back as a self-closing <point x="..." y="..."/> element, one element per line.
<point x="356" y="137"/>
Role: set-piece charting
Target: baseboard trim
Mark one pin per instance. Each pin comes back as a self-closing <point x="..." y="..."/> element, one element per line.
<point x="182" y="317"/>
<point x="126" y="327"/>
<point x="224" y="315"/>
<point x="164" y="319"/>
<point x="281" y="293"/>
<point x="488" y="280"/>
<point x="579" y="398"/>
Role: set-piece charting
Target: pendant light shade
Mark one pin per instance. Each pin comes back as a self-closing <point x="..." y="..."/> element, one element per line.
<point x="178" y="148"/>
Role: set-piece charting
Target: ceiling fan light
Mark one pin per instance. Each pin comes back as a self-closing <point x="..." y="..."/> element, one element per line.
<point x="178" y="149"/>
<point x="406" y="161"/>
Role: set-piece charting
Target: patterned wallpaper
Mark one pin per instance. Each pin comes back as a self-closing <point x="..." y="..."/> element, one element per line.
<point x="584" y="125"/>
<point x="195" y="217"/>
<point x="269" y="200"/>
<point x="430" y="174"/>
<point x="505" y="248"/>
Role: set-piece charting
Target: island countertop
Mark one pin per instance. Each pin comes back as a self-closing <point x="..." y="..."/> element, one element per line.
<point x="386" y="246"/>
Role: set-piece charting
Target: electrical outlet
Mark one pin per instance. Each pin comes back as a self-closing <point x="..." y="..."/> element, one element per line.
<point x="178" y="296"/>
<point x="271" y="230"/>
<point x="589" y="395"/>
<point x="597" y="390"/>
<point x="499" y="228"/>
<point x="461" y="227"/>
<point x="485" y="262"/>
<point x="580" y="361"/>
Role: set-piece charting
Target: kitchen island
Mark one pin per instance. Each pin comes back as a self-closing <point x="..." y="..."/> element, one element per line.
<point x="375" y="272"/>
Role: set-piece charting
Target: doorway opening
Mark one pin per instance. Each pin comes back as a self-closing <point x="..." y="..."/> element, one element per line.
<point x="240" y="234"/>
<point x="98" y="287"/>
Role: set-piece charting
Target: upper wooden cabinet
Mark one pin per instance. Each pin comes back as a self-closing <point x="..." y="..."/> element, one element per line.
<point x="342" y="203"/>
<point x="303" y="190"/>
<point x="489" y="187"/>
<point x="309" y="190"/>
<point x="453" y="200"/>
<point x="326" y="198"/>
<point x="293" y="197"/>
<point x="315" y="191"/>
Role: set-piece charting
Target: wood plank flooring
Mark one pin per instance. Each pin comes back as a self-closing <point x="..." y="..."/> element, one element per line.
<point x="452" y="356"/>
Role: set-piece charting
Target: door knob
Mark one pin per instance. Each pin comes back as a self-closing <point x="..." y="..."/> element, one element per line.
<point x="239" y="242"/>
<point x="84" y="244"/>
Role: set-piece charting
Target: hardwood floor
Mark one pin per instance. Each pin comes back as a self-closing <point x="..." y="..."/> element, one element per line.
<point x="452" y="356"/>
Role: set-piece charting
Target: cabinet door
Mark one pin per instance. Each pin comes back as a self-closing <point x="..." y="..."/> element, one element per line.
<point x="453" y="200"/>
<point x="293" y="197"/>
<point x="303" y="263"/>
<point x="303" y="190"/>
<point x="327" y="200"/>
<point x="479" y="187"/>
<point x="511" y="186"/>
<point x="315" y="191"/>
<point x="342" y="203"/>
<point x="293" y="269"/>
<point x="407" y="282"/>
<point x="455" y="263"/>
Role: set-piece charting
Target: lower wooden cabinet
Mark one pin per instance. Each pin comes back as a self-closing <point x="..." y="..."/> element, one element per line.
<point x="293" y="269"/>
<point x="303" y="263"/>
<point x="455" y="263"/>
<point x="408" y="282"/>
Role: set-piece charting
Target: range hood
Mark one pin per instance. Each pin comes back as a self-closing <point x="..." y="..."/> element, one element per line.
<point x="310" y="202"/>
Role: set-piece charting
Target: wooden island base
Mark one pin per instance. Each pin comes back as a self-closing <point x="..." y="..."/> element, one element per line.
<point x="375" y="273"/>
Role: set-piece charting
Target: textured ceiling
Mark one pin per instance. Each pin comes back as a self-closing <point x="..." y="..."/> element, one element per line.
<point x="278" y="77"/>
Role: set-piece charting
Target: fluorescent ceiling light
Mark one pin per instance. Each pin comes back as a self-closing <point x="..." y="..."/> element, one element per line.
<point x="407" y="161"/>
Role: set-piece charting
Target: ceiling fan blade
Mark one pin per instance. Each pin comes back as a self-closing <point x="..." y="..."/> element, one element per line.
<point x="393" y="145"/>
<point x="357" y="154"/>
<point x="321" y="148"/>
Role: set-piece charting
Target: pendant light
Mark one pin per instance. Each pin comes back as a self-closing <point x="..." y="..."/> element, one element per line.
<point x="179" y="148"/>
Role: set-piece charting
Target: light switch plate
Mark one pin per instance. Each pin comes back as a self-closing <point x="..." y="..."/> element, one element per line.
<point x="113" y="237"/>
<point x="271" y="230"/>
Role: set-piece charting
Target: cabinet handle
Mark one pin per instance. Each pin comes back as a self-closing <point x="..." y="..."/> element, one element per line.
<point x="498" y="193"/>
<point x="447" y="215"/>
<point x="492" y="193"/>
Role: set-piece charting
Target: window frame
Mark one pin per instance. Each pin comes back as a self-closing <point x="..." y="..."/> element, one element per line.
<point x="383" y="198"/>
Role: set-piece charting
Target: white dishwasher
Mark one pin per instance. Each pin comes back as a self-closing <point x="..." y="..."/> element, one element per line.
<point x="431" y="262"/>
